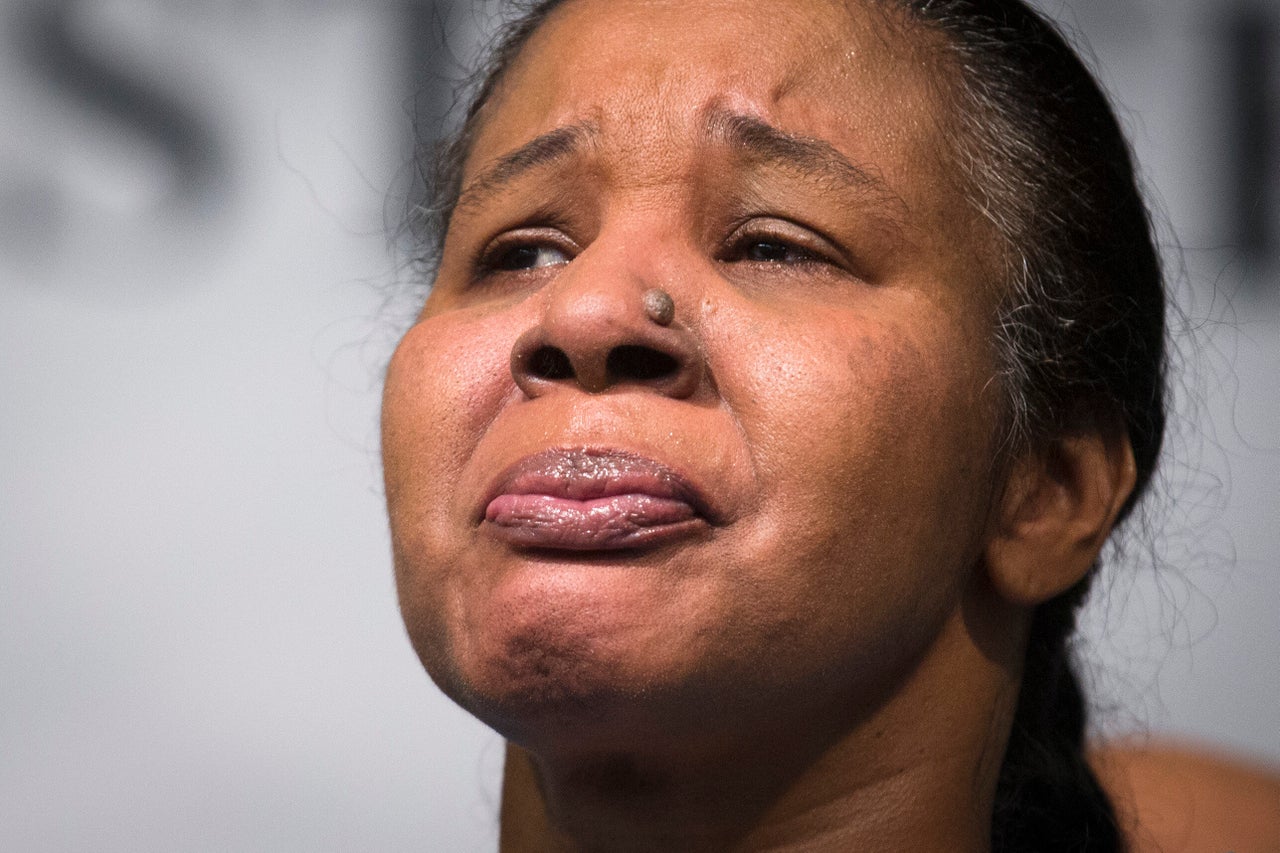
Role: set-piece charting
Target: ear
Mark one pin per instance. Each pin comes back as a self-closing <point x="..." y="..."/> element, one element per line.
<point x="1057" y="509"/>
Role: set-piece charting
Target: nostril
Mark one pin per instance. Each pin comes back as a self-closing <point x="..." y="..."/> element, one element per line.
<point x="594" y="358"/>
<point x="548" y="362"/>
<point x="640" y="363"/>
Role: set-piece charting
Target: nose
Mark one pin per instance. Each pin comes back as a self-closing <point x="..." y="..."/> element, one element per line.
<point x="601" y="337"/>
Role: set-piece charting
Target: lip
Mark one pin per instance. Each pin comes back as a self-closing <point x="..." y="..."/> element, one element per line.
<point x="588" y="499"/>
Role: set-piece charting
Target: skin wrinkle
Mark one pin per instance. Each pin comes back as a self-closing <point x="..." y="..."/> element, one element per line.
<point x="805" y="653"/>
<point x="547" y="149"/>
<point x="977" y="83"/>
<point x="760" y="143"/>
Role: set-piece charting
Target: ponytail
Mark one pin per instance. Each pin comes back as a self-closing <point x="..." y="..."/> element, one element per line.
<point x="1048" y="799"/>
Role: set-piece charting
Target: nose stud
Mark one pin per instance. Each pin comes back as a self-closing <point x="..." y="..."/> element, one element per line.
<point x="659" y="305"/>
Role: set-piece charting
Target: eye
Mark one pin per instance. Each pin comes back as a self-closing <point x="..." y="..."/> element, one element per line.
<point x="523" y="251"/>
<point x="775" y="251"/>
<point x="778" y="241"/>
<point x="524" y="256"/>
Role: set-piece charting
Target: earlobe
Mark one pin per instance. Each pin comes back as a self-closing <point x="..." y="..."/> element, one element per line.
<point x="1058" y="507"/>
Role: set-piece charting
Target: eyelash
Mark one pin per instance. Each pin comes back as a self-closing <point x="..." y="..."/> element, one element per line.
<point x="780" y="249"/>
<point x="523" y="251"/>
<point x="500" y="256"/>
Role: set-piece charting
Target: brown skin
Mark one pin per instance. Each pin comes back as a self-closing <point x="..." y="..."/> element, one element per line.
<point x="1183" y="798"/>
<point x="829" y="659"/>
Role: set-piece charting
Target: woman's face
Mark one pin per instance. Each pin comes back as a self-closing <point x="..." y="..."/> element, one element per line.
<point x="770" y="507"/>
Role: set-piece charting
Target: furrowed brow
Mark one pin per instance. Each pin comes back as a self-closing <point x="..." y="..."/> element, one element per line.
<point x="542" y="150"/>
<point x="814" y="158"/>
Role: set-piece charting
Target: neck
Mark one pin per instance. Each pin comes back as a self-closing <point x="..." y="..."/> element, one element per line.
<point x="918" y="773"/>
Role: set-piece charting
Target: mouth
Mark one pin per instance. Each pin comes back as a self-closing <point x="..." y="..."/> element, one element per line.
<point x="593" y="500"/>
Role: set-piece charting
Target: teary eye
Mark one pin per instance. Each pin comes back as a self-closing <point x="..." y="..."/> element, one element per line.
<point x="526" y="257"/>
<point x="775" y="251"/>
<point x="773" y="240"/>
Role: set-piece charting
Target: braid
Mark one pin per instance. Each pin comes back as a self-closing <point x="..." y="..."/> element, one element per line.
<point x="1081" y="337"/>
<point x="1048" y="799"/>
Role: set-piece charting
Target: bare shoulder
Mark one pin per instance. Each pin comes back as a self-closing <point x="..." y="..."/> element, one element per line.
<point x="1176" y="798"/>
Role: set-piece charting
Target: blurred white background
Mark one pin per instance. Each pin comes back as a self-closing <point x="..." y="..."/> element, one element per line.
<point x="199" y="644"/>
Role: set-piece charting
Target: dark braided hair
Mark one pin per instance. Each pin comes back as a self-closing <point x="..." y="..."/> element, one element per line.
<point x="1079" y="332"/>
<point x="1081" y="336"/>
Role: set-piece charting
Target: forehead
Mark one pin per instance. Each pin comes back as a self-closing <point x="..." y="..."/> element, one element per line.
<point x="648" y="73"/>
<point x="815" y="62"/>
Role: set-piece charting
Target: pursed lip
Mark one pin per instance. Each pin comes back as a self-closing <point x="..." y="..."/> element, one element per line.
<point x="585" y="499"/>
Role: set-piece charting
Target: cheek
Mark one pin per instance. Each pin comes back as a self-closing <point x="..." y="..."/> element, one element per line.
<point x="873" y="437"/>
<point x="861" y="396"/>
<point x="447" y="378"/>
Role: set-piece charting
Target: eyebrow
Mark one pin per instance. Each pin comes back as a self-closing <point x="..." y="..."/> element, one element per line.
<point x="807" y="155"/>
<point x="550" y="147"/>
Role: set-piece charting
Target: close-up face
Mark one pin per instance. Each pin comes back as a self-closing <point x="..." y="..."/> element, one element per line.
<point x="773" y="498"/>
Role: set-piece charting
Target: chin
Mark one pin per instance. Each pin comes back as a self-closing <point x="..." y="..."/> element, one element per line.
<point x="556" y="695"/>
<point x="534" y="667"/>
